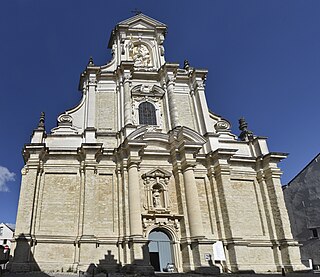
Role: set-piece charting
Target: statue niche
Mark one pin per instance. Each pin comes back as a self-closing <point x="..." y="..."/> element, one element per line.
<point x="156" y="191"/>
<point x="140" y="54"/>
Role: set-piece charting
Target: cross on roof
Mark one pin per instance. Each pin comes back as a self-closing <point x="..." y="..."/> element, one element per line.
<point x="136" y="11"/>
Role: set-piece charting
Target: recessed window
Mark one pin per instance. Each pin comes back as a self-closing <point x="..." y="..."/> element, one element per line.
<point x="314" y="233"/>
<point x="1" y="231"/>
<point x="147" y="114"/>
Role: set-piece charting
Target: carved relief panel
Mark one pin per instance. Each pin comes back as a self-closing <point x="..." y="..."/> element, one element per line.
<point x="140" y="54"/>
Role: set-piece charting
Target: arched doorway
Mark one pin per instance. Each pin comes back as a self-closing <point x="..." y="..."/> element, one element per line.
<point x="160" y="250"/>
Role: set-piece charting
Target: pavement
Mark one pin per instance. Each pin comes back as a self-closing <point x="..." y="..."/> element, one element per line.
<point x="56" y="274"/>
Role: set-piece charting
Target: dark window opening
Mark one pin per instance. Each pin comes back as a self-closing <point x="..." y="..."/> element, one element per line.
<point x="315" y="233"/>
<point x="147" y="114"/>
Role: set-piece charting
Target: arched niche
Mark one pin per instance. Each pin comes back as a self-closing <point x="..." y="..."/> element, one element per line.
<point x="156" y="191"/>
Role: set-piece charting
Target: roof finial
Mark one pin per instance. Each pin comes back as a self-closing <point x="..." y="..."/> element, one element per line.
<point x="90" y="63"/>
<point x="186" y="65"/>
<point x="41" y="121"/>
<point x="246" y="135"/>
<point x="136" y="11"/>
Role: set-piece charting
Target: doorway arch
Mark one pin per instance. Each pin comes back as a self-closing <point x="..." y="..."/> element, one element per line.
<point x="160" y="249"/>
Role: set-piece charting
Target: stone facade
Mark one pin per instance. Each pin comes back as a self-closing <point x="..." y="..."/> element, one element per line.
<point x="142" y="152"/>
<point x="302" y="198"/>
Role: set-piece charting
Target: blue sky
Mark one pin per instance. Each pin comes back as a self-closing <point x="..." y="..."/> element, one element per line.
<point x="263" y="59"/>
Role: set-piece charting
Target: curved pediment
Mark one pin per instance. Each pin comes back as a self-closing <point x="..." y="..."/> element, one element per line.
<point x="189" y="135"/>
<point x="148" y="133"/>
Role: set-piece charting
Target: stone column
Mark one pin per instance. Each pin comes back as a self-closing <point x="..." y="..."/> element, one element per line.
<point x="134" y="199"/>
<point x="192" y="201"/>
<point x="138" y="245"/>
<point x="187" y="153"/>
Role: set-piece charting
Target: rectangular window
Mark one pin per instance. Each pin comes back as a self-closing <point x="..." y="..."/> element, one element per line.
<point x="5" y="241"/>
<point x="314" y="233"/>
<point x="1" y="231"/>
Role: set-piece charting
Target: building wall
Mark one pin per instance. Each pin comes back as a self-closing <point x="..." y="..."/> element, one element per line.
<point x="6" y="235"/>
<point x="302" y="196"/>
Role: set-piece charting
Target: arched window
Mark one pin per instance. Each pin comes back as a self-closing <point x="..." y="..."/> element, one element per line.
<point x="147" y="114"/>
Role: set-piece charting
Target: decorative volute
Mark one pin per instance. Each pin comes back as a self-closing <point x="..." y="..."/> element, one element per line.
<point x="139" y="39"/>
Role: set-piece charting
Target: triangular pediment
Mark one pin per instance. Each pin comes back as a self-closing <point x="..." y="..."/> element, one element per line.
<point x="157" y="172"/>
<point x="141" y="21"/>
<point x="141" y="25"/>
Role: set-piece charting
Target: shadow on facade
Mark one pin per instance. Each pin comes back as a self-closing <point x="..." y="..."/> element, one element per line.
<point x="23" y="260"/>
<point x="110" y="265"/>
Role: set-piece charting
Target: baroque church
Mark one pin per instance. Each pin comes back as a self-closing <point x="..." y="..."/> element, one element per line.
<point x="141" y="175"/>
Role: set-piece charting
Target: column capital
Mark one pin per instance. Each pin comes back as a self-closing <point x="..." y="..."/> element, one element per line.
<point x="34" y="152"/>
<point x="90" y="152"/>
<point x="221" y="155"/>
<point x="198" y="78"/>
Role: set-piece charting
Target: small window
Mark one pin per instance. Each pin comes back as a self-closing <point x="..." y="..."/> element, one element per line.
<point x="1" y="231"/>
<point x="5" y="241"/>
<point x="314" y="233"/>
<point x="147" y="114"/>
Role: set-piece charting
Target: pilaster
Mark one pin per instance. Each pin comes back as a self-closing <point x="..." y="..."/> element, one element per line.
<point x="33" y="155"/>
<point x="126" y="72"/>
<point x="170" y="71"/>
<point x="198" y="78"/>
<point x="91" y="100"/>
<point x="89" y="154"/>
<point x="288" y="247"/>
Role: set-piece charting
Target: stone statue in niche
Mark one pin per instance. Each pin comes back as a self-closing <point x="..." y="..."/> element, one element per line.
<point x="140" y="55"/>
<point x="156" y="199"/>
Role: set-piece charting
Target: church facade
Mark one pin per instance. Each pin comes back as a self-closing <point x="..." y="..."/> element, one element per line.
<point x="141" y="173"/>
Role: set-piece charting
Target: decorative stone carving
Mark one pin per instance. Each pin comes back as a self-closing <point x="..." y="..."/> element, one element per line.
<point x="145" y="88"/>
<point x="156" y="190"/>
<point x="140" y="54"/>
<point x="170" y="222"/>
<point x="65" y="125"/>
<point x="137" y="100"/>
<point x="222" y="126"/>
<point x="157" y="199"/>
<point x="246" y="135"/>
<point x="65" y="119"/>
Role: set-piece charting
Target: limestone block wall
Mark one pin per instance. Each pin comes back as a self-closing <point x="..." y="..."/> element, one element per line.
<point x="244" y="209"/>
<point x="59" y="204"/>
<point x="106" y="112"/>
<point x="205" y="200"/>
<point x="106" y="199"/>
<point x="185" y="112"/>
<point x="55" y="256"/>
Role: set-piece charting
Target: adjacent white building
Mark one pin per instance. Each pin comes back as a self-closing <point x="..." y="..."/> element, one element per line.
<point x="6" y="235"/>
<point x="140" y="174"/>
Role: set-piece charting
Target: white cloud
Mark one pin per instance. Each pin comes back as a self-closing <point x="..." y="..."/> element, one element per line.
<point x="5" y="177"/>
